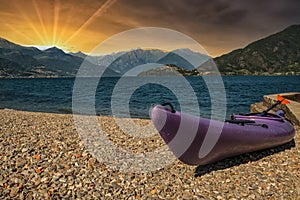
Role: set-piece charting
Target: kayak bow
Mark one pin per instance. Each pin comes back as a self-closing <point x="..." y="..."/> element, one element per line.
<point x="185" y="134"/>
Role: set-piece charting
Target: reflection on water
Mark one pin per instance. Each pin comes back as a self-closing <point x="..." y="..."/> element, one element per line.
<point x="134" y="98"/>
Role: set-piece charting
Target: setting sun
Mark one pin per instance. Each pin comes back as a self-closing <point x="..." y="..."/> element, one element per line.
<point x="75" y="25"/>
<point x="58" y="25"/>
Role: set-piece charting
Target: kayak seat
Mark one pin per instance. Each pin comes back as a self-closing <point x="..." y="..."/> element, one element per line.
<point x="240" y="121"/>
<point x="262" y="114"/>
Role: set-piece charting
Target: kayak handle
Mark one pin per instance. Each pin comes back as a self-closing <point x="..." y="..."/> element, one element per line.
<point x="171" y="106"/>
<point x="246" y="122"/>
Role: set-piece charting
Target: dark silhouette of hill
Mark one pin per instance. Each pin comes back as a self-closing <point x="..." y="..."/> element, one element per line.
<point x="276" y="54"/>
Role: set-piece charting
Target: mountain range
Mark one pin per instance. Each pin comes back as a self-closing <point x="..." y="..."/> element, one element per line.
<point x="277" y="54"/>
<point x="21" y="61"/>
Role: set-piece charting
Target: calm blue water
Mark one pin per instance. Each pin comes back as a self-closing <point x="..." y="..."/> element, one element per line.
<point x="55" y="95"/>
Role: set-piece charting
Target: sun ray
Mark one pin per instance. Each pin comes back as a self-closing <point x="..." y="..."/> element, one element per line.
<point x="15" y="30"/>
<point x="29" y="22"/>
<point x="98" y="12"/>
<point x="55" y="20"/>
<point x="37" y="10"/>
<point x="64" y="28"/>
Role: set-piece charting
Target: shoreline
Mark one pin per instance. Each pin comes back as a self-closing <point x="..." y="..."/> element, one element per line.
<point x="69" y="112"/>
<point x="43" y="157"/>
<point x="74" y="77"/>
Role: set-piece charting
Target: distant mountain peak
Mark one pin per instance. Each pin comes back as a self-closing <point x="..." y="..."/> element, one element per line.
<point x="293" y="27"/>
<point x="54" y="50"/>
<point x="7" y="44"/>
<point x="187" y="50"/>
<point x="78" y="54"/>
<point x="3" y="40"/>
<point x="189" y="59"/>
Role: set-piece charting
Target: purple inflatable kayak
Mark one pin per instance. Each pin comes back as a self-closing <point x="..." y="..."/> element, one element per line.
<point x="199" y="141"/>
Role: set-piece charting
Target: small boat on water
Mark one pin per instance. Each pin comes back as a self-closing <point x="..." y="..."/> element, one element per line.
<point x="199" y="141"/>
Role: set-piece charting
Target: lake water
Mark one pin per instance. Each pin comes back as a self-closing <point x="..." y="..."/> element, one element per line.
<point x="135" y="95"/>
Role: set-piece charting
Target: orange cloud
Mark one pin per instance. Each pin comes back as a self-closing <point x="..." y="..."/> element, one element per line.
<point x="220" y="26"/>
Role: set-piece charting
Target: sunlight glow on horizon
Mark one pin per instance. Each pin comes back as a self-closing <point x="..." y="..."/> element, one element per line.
<point x="52" y="28"/>
<point x="41" y="47"/>
<point x="75" y="25"/>
<point x="46" y="28"/>
<point x="58" y="26"/>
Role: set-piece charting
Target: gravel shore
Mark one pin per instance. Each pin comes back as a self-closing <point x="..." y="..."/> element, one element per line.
<point x="42" y="157"/>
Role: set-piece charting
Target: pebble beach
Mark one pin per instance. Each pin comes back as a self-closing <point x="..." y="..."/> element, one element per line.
<point x="42" y="157"/>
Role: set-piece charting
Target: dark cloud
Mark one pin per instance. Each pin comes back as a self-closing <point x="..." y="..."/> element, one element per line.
<point x="212" y="12"/>
<point x="219" y="25"/>
<point x="233" y="23"/>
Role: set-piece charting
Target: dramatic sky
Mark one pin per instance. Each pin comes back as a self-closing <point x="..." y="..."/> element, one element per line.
<point x="79" y="25"/>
